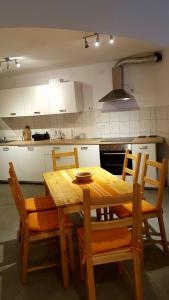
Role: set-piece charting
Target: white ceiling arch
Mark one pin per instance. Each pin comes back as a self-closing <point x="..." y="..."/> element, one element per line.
<point x="146" y="19"/>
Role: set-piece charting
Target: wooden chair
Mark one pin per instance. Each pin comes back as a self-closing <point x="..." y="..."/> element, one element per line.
<point x="136" y="158"/>
<point x="33" y="204"/>
<point x="36" y="227"/>
<point x="136" y="163"/>
<point x="111" y="241"/>
<point x="150" y="210"/>
<point x="57" y="155"/>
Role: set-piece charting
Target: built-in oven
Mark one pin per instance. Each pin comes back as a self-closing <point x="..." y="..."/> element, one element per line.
<point x="112" y="157"/>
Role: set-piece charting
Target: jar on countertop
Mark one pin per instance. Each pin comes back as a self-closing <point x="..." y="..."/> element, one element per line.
<point x="27" y="134"/>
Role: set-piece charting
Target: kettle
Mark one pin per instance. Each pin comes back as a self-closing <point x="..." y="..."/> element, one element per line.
<point x="26" y="135"/>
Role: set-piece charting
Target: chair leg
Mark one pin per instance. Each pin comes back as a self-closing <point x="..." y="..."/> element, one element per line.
<point x="162" y="231"/>
<point x="146" y="228"/>
<point x="25" y="256"/>
<point x="81" y="261"/>
<point x="137" y="276"/>
<point x="70" y="249"/>
<point x="90" y="279"/>
<point x="110" y="213"/>
<point x="98" y="214"/>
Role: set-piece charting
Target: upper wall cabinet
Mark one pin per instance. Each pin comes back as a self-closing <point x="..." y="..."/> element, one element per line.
<point x="44" y="99"/>
<point x="65" y="97"/>
<point x="11" y="103"/>
<point x="36" y="100"/>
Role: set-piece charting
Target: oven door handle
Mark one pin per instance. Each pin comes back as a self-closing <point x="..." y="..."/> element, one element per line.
<point x="113" y="153"/>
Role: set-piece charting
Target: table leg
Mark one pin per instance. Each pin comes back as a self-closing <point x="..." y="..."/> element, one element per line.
<point x="63" y="248"/>
<point x="46" y="189"/>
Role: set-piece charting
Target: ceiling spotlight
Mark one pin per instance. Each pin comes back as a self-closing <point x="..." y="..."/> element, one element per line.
<point x="97" y="43"/>
<point x="86" y="43"/>
<point x="8" y="63"/>
<point x="111" y="40"/>
<point x="17" y="64"/>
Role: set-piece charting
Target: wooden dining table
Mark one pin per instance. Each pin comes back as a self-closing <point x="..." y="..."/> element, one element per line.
<point x="67" y="194"/>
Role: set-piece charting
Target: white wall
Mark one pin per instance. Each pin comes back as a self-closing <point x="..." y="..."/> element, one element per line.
<point x="149" y="81"/>
<point x="96" y="79"/>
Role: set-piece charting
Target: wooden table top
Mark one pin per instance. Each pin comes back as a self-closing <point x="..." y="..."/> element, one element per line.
<point x="66" y="191"/>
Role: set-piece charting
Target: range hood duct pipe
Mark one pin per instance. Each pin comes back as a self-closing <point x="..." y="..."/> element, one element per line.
<point x="155" y="57"/>
<point x="119" y="99"/>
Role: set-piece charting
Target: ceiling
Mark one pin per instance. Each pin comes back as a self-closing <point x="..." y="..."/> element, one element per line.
<point x="42" y="49"/>
<point x="145" y="20"/>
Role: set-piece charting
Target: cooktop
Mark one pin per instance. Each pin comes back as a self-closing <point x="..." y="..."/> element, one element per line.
<point x="120" y="139"/>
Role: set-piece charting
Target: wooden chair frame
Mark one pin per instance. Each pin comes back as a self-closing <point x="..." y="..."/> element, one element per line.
<point x="159" y="185"/>
<point x="28" y="237"/>
<point x="132" y="252"/>
<point x="133" y="172"/>
<point x="56" y="155"/>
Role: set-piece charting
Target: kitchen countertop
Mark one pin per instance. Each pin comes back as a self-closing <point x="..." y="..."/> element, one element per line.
<point x="92" y="141"/>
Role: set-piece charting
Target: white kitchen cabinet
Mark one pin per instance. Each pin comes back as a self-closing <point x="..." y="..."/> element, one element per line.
<point x="65" y="97"/>
<point x="89" y="155"/>
<point x="48" y="156"/>
<point x="36" y="100"/>
<point x="146" y="149"/>
<point x="11" y="103"/>
<point x="31" y="165"/>
<point x="7" y="154"/>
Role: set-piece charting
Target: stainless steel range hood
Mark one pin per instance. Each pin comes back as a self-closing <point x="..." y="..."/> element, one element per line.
<point x="119" y="99"/>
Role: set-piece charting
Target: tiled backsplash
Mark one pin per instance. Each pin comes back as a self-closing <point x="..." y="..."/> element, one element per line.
<point x="147" y="121"/>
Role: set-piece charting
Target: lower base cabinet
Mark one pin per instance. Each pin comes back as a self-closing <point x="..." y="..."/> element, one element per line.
<point x="146" y="149"/>
<point x="30" y="162"/>
<point x="30" y="165"/>
<point x="88" y="155"/>
<point x="7" y="154"/>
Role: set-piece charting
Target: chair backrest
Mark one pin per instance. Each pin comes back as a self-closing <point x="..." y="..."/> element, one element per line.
<point x="56" y="155"/>
<point x="17" y="193"/>
<point x="136" y="164"/>
<point x="155" y="183"/>
<point x="135" y="221"/>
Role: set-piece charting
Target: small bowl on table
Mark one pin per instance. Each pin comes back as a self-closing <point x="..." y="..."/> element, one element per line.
<point x="83" y="176"/>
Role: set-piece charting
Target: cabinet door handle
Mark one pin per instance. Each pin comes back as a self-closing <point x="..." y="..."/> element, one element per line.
<point x="13" y="114"/>
<point x="5" y="148"/>
<point x="56" y="148"/>
<point x="143" y="147"/>
<point x="84" y="148"/>
<point x="30" y="148"/>
<point x="62" y="110"/>
<point x="37" y="112"/>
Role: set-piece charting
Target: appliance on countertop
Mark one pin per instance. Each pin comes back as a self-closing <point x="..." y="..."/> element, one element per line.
<point x="41" y="136"/>
<point x="119" y="99"/>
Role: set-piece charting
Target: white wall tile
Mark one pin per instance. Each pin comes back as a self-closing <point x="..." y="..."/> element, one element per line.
<point x="124" y="127"/>
<point x="145" y="127"/>
<point x="124" y="116"/>
<point x="162" y="112"/>
<point x="145" y="113"/>
<point x="134" y="128"/>
<point x="134" y="115"/>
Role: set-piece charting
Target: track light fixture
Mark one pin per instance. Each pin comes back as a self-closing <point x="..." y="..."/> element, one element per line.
<point x="7" y="63"/>
<point x="86" y="43"/>
<point x="97" y="42"/>
<point x="111" y="41"/>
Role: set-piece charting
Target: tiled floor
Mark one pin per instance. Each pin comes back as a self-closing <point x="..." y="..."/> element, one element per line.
<point x="47" y="284"/>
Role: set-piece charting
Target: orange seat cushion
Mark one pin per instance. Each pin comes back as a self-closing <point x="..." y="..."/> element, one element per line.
<point x="39" y="203"/>
<point x="125" y="210"/>
<point x="106" y="240"/>
<point x="46" y="220"/>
